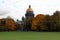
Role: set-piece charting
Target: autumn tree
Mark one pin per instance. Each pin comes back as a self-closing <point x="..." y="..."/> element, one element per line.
<point x="49" y="22"/>
<point x="2" y="24"/>
<point x="10" y="23"/>
<point x="56" y="20"/>
<point x="38" y="23"/>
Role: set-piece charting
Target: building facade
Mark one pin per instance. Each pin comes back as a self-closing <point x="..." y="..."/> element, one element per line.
<point x="28" y="19"/>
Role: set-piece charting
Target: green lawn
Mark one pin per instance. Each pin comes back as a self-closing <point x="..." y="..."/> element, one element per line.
<point x="29" y="35"/>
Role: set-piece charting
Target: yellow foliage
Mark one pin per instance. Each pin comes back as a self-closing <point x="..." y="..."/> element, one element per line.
<point x="38" y="21"/>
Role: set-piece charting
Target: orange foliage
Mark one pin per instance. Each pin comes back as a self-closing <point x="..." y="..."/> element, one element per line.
<point x="10" y="24"/>
<point x="38" y="21"/>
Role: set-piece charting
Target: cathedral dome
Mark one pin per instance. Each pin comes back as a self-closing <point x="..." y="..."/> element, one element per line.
<point x="29" y="9"/>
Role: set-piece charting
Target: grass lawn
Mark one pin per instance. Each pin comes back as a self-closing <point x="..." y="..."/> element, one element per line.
<point x="29" y="35"/>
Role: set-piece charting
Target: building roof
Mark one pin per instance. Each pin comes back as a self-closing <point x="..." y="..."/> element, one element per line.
<point x="29" y="9"/>
<point x="19" y="22"/>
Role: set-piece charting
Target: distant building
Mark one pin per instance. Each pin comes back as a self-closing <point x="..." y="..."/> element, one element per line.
<point x="25" y="24"/>
<point x="28" y="19"/>
<point x="19" y="22"/>
<point x="29" y="13"/>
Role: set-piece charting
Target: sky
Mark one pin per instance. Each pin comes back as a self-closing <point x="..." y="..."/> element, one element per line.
<point x="16" y="9"/>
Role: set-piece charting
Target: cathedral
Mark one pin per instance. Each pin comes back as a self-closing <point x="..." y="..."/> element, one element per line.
<point x="26" y="22"/>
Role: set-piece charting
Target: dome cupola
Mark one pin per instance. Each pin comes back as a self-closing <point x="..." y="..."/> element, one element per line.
<point x="29" y="9"/>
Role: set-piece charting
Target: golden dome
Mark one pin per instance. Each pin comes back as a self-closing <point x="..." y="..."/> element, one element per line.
<point x="29" y="9"/>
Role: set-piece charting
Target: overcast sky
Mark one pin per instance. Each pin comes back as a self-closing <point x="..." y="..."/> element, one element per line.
<point x="17" y="8"/>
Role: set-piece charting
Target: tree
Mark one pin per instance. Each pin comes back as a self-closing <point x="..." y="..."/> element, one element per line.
<point x="38" y="23"/>
<point x="56" y="19"/>
<point x="49" y="22"/>
<point x="10" y="23"/>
